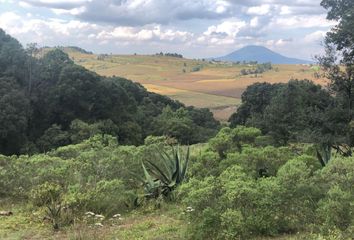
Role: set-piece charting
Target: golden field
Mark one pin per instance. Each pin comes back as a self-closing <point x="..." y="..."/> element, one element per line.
<point x="199" y="83"/>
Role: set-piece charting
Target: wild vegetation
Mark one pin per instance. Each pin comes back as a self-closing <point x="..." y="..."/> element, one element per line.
<point x="103" y="158"/>
<point x="260" y="68"/>
<point x="49" y="101"/>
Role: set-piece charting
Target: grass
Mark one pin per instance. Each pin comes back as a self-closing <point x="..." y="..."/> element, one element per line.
<point x="144" y="224"/>
<point x="23" y="224"/>
<point x="163" y="223"/>
<point x="218" y="86"/>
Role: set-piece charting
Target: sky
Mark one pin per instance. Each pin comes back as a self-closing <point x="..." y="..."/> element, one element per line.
<point x="194" y="28"/>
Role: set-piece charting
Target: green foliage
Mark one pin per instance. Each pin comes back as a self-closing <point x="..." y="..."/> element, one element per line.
<point x="49" y="195"/>
<point x="96" y="175"/>
<point x="258" y="162"/>
<point x="222" y="142"/>
<point x="53" y="137"/>
<point x="260" y="68"/>
<point x="109" y="197"/>
<point x="255" y="99"/>
<point x="48" y="96"/>
<point x="196" y="68"/>
<point x="163" y="180"/>
<point x="337" y="66"/>
<point x="231" y="139"/>
<point x="298" y="111"/>
<point x="299" y="193"/>
<point x="240" y="185"/>
<point x="188" y="126"/>
<point x="292" y="193"/>
<point x="46" y="193"/>
<point x="336" y="208"/>
<point x="204" y="164"/>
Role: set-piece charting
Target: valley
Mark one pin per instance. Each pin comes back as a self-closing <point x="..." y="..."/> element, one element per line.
<point x="201" y="83"/>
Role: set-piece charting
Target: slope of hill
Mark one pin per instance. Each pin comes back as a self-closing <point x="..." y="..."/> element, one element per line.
<point x="49" y="104"/>
<point x="261" y="55"/>
<point x="214" y="85"/>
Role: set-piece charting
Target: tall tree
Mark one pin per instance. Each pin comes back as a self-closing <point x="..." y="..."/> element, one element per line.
<point x="338" y="66"/>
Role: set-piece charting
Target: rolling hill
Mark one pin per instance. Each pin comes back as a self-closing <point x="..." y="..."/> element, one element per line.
<point x="214" y="85"/>
<point x="261" y="55"/>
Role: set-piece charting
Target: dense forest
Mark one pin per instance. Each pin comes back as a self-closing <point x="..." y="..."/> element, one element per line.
<point x="103" y="155"/>
<point x="48" y="101"/>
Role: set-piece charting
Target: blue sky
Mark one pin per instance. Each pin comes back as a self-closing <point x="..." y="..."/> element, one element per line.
<point x="194" y="28"/>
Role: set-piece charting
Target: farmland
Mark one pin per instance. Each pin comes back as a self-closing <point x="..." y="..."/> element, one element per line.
<point x="200" y="83"/>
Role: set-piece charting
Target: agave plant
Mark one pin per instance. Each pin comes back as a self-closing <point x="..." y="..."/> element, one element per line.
<point x="163" y="180"/>
<point x="323" y="153"/>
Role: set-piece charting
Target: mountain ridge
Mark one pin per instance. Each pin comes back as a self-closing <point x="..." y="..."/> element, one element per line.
<point x="261" y="55"/>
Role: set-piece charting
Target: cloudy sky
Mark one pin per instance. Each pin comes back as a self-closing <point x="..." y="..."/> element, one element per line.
<point x="195" y="28"/>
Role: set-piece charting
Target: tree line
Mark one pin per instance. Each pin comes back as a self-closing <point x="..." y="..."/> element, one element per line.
<point x="301" y="111"/>
<point x="49" y="101"/>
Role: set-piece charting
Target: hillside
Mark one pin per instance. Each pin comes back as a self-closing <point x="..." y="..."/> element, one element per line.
<point x="210" y="84"/>
<point x="53" y="102"/>
<point x="129" y="147"/>
<point x="261" y="55"/>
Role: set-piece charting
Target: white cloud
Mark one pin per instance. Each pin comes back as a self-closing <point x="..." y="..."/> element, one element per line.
<point x="148" y="34"/>
<point x="70" y="32"/>
<point x="254" y="22"/>
<point x="302" y="22"/>
<point x="285" y="10"/>
<point x="229" y="27"/>
<point x="137" y="12"/>
<point x="259" y="10"/>
<point x="197" y="27"/>
<point x="317" y="36"/>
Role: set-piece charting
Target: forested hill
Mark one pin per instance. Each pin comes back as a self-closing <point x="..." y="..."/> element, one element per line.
<point x="49" y="102"/>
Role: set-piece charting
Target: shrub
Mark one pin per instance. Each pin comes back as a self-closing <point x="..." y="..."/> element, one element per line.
<point x="109" y="197"/>
<point x="258" y="162"/>
<point x="49" y="195"/>
<point x="299" y="193"/>
<point x="336" y="209"/>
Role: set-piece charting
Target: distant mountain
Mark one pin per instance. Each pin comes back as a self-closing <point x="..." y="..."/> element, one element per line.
<point x="261" y="55"/>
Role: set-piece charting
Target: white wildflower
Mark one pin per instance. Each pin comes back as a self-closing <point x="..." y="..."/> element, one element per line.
<point x="90" y="214"/>
<point x="98" y="224"/>
<point x="99" y="216"/>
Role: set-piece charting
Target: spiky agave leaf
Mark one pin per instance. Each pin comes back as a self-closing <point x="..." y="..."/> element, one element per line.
<point x="167" y="179"/>
<point x="184" y="169"/>
<point x="153" y="187"/>
<point x="167" y="160"/>
<point x="159" y="173"/>
<point x="149" y="180"/>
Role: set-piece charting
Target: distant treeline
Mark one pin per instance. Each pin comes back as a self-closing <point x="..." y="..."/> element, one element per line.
<point x="170" y="55"/>
<point x="260" y="68"/>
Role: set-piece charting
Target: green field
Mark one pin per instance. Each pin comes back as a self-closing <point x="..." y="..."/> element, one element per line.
<point x="199" y="83"/>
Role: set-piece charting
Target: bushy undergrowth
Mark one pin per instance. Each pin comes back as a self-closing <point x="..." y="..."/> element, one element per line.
<point x="234" y="187"/>
<point x="266" y="191"/>
<point x="96" y="175"/>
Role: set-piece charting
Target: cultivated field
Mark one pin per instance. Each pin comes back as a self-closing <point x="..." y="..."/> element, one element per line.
<point x="217" y="86"/>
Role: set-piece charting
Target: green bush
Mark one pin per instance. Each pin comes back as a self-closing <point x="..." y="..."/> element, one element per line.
<point x="299" y="194"/>
<point x="258" y="162"/>
<point x="204" y="164"/>
<point x="336" y="208"/>
<point x="109" y="197"/>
